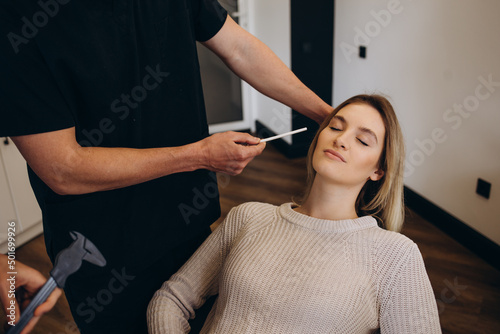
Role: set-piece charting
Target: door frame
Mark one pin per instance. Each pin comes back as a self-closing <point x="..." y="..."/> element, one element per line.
<point x="248" y="121"/>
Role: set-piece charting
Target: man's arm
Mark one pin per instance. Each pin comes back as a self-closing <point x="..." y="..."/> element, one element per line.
<point x="69" y="169"/>
<point x="256" y="63"/>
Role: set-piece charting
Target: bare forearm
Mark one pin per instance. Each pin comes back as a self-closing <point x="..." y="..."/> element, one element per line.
<point x="264" y="71"/>
<point x="96" y="169"/>
<point x="257" y="64"/>
<point x="69" y="169"/>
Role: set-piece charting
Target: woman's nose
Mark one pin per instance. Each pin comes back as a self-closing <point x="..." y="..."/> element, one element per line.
<point x="341" y="142"/>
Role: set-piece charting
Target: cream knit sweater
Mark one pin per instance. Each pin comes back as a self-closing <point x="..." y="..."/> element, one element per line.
<point x="279" y="271"/>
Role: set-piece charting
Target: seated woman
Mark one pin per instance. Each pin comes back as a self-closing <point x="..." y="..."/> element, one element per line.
<point x="333" y="264"/>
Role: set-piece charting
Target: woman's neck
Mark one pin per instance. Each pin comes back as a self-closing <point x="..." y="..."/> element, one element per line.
<point x="332" y="202"/>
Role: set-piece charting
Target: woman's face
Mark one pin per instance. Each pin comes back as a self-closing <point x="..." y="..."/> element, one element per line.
<point x="349" y="148"/>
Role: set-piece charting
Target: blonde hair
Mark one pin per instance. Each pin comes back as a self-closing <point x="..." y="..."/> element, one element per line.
<point x="382" y="199"/>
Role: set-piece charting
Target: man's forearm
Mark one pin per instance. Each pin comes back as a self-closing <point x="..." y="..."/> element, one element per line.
<point x="257" y="64"/>
<point x="69" y="169"/>
<point x="93" y="169"/>
<point x="264" y="71"/>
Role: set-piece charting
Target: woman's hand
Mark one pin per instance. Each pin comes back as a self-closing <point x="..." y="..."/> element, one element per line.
<point x="17" y="291"/>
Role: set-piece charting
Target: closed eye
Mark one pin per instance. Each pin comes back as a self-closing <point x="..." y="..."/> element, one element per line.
<point x="362" y="142"/>
<point x="334" y="128"/>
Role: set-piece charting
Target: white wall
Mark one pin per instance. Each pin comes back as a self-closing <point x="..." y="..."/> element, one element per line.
<point x="433" y="58"/>
<point x="269" y="20"/>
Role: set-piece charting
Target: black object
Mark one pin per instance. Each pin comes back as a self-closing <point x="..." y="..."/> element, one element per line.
<point x="68" y="261"/>
<point x="312" y="61"/>
<point x="362" y="51"/>
<point x="483" y="188"/>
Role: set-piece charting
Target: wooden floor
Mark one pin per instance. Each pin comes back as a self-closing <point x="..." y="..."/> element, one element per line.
<point x="467" y="288"/>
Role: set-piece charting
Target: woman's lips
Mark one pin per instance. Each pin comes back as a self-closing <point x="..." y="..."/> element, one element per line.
<point x="332" y="154"/>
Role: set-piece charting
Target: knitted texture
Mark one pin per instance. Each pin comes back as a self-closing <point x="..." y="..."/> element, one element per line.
<point x="279" y="271"/>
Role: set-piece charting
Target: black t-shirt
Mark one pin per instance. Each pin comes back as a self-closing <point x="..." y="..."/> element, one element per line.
<point x="125" y="74"/>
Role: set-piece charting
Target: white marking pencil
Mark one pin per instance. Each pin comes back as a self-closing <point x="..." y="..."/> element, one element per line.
<point x="283" y="135"/>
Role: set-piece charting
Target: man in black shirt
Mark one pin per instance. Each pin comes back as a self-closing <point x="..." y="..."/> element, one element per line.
<point x="104" y="101"/>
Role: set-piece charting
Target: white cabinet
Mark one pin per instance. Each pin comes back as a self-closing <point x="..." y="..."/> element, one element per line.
<point x="17" y="201"/>
<point x="7" y="210"/>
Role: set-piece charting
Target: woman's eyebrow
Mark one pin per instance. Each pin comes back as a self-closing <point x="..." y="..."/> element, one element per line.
<point x="370" y="133"/>
<point x="340" y="118"/>
<point x="362" y="129"/>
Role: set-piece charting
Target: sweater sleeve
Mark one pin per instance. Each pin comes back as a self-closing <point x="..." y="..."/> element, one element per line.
<point x="409" y="305"/>
<point x="187" y="290"/>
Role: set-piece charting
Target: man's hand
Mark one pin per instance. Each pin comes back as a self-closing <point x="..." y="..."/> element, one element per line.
<point x="230" y="152"/>
<point x="27" y="283"/>
<point x="69" y="169"/>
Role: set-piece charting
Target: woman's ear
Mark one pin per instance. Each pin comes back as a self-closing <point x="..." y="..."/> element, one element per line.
<point x="377" y="175"/>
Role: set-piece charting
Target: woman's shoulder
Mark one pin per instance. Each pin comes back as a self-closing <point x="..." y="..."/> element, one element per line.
<point x="247" y="212"/>
<point x="381" y="237"/>
<point x="390" y="243"/>
<point x="391" y="250"/>
<point x="251" y="209"/>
